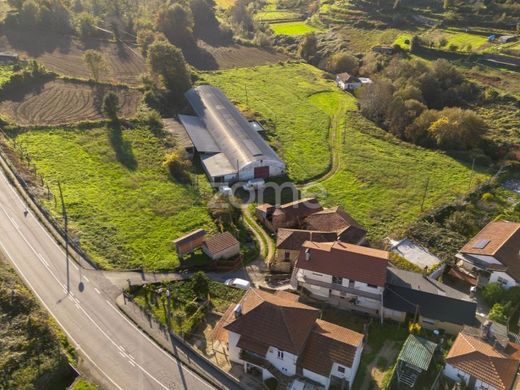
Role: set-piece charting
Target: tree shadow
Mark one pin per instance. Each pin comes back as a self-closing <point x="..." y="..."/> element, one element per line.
<point x="200" y="58"/>
<point x="121" y="147"/>
<point x="36" y="43"/>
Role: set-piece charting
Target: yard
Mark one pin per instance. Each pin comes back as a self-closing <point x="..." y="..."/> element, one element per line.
<point x="379" y="179"/>
<point x="293" y="28"/>
<point x="187" y="303"/>
<point x="122" y="204"/>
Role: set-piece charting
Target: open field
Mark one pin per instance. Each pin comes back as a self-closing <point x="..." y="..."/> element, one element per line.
<point x="58" y="101"/>
<point x="269" y="16"/>
<point x="380" y="179"/>
<point x="208" y="57"/>
<point x="279" y="93"/>
<point x="293" y="28"/>
<point x="64" y="54"/>
<point x="122" y="205"/>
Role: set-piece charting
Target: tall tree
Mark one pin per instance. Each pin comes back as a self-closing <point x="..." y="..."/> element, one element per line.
<point x="95" y="63"/>
<point x="111" y="105"/>
<point x="176" y="22"/>
<point x="167" y="62"/>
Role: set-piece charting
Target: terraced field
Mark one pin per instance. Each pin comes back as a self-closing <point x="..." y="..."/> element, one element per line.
<point x="58" y="102"/>
<point x="293" y="28"/>
<point x="64" y="55"/>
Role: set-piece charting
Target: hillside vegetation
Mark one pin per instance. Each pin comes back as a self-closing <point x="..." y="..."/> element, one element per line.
<point x="380" y="179"/>
<point x="123" y="205"/>
<point x="31" y="352"/>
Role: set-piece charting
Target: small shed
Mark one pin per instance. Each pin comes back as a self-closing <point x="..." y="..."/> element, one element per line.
<point x="506" y="38"/>
<point x="221" y="246"/>
<point x="414" y="358"/>
<point x="189" y="242"/>
<point x="6" y="57"/>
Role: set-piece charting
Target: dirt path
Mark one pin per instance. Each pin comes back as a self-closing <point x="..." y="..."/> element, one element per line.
<point x="389" y="352"/>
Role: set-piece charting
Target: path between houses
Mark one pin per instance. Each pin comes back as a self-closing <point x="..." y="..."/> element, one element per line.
<point x="373" y="374"/>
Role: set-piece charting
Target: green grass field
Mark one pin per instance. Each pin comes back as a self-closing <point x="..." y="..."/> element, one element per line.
<point x="279" y="93"/>
<point x="293" y="28"/>
<point x="380" y="180"/>
<point x="121" y="201"/>
<point x="269" y="16"/>
<point x="6" y="72"/>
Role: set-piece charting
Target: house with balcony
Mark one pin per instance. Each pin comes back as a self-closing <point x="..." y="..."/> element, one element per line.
<point x="274" y="335"/>
<point x="344" y="275"/>
<point x="479" y="361"/>
<point x="493" y="255"/>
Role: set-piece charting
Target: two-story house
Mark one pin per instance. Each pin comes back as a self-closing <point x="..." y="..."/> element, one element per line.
<point x="275" y="335"/>
<point x="349" y="276"/>
<point x="493" y="255"/>
<point x="478" y="361"/>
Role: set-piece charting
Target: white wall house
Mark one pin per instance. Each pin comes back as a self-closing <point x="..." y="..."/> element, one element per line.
<point x="493" y="255"/>
<point x="267" y="344"/>
<point x="345" y="275"/>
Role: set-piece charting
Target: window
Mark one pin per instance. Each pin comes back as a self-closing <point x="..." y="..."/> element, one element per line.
<point x="341" y="369"/>
<point x="280" y="354"/>
<point x="317" y="274"/>
<point x="337" y="280"/>
<point x="502" y="281"/>
<point x="287" y="256"/>
<point x="219" y="179"/>
<point x="371" y="285"/>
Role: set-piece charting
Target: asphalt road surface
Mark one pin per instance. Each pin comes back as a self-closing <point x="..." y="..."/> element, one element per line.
<point x="125" y="357"/>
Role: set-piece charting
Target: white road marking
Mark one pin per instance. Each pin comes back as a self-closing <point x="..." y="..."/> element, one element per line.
<point x="86" y="279"/>
<point x="96" y="290"/>
<point x="132" y="363"/>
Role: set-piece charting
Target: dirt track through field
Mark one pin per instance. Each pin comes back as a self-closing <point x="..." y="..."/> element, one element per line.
<point x="64" y="55"/>
<point x="58" y="102"/>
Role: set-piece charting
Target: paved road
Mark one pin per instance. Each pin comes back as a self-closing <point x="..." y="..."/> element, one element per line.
<point x="122" y="356"/>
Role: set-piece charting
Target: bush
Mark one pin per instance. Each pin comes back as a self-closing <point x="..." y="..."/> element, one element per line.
<point x="453" y="47"/>
<point x="178" y="166"/>
<point x="191" y="308"/>
<point x="343" y="62"/>
<point x="151" y="118"/>
<point x="500" y="313"/>
<point x="487" y="196"/>
<point x="271" y="383"/>
<point x="493" y="293"/>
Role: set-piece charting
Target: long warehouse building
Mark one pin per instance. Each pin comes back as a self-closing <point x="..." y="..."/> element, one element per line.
<point x="229" y="147"/>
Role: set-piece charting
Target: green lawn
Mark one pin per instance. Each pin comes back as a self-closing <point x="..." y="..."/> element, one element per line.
<point x="380" y="180"/>
<point x="6" y="72"/>
<point x="82" y="384"/>
<point x="121" y="201"/>
<point x="293" y="28"/>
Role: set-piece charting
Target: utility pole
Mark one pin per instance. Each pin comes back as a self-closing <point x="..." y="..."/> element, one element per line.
<point x="426" y="185"/>
<point x="471" y="175"/>
<point x="65" y="221"/>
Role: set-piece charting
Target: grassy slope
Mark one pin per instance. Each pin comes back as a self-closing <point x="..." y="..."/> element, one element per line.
<point x="381" y="179"/>
<point x="125" y="217"/>
<point x="280" y="94"/>
<point x="30" y="355"/>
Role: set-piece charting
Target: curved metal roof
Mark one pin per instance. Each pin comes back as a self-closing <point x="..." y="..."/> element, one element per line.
<point x="233" y="134"/>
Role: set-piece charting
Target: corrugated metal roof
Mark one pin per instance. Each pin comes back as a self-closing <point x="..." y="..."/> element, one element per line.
<point x="217" y="164"/>
<point x="417" y="351"/>
<point x="199" y="135"/>
<point x="229" y="129"/>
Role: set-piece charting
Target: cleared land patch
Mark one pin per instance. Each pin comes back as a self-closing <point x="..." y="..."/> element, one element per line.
<point x="64" y="54"/>
<point x="380" y="179"/>
<point x="58" y="101"/>
<point x="293" y="28"/>
<point x="122" y="204"/>
<point x="208" y="57"/>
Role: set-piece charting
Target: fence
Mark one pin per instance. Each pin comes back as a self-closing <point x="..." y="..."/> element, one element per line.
<point x="182" y="350"/>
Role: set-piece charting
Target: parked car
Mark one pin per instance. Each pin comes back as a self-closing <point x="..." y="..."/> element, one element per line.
<point x="238" y="283"/>
<point x="254" y="184"/>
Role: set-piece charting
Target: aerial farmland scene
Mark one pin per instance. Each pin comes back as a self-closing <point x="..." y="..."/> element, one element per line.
<point x="260" y="194"/>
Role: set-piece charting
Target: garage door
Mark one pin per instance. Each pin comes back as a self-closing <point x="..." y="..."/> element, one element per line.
<point x="261" y="172"/>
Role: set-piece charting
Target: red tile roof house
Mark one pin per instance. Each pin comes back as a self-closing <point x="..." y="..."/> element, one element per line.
<point x="288" y="215"/>
<point x="493" y="255"/>
<point x="473" y="359"/>
<point x="346" y="275"/>
<point x="275" y="335"/>
<point x="221" y="246"/>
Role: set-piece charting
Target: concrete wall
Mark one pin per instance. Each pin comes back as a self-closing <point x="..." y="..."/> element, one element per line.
<point x="280" y="255"/>
<point x="189" y="246"/>
<point x="509" y="281"/>
<point x="225" y="254"/>
<point x="234" y="351"/>
<point x="316" y="377"/>
<point x="395" y="315"/>
<point x="286" y="365"/>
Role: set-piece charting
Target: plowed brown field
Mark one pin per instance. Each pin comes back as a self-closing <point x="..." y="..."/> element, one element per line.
<point x="59" y="102"/>
<point x="64" y="54"/>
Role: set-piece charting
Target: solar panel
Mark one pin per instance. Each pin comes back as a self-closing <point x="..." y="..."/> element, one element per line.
<point x="481" y="244"/>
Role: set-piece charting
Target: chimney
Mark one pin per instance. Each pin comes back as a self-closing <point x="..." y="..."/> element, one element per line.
<point x="238" y="310"/>
<point x="486" y="330"/>
<point x="307" y="254"/>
